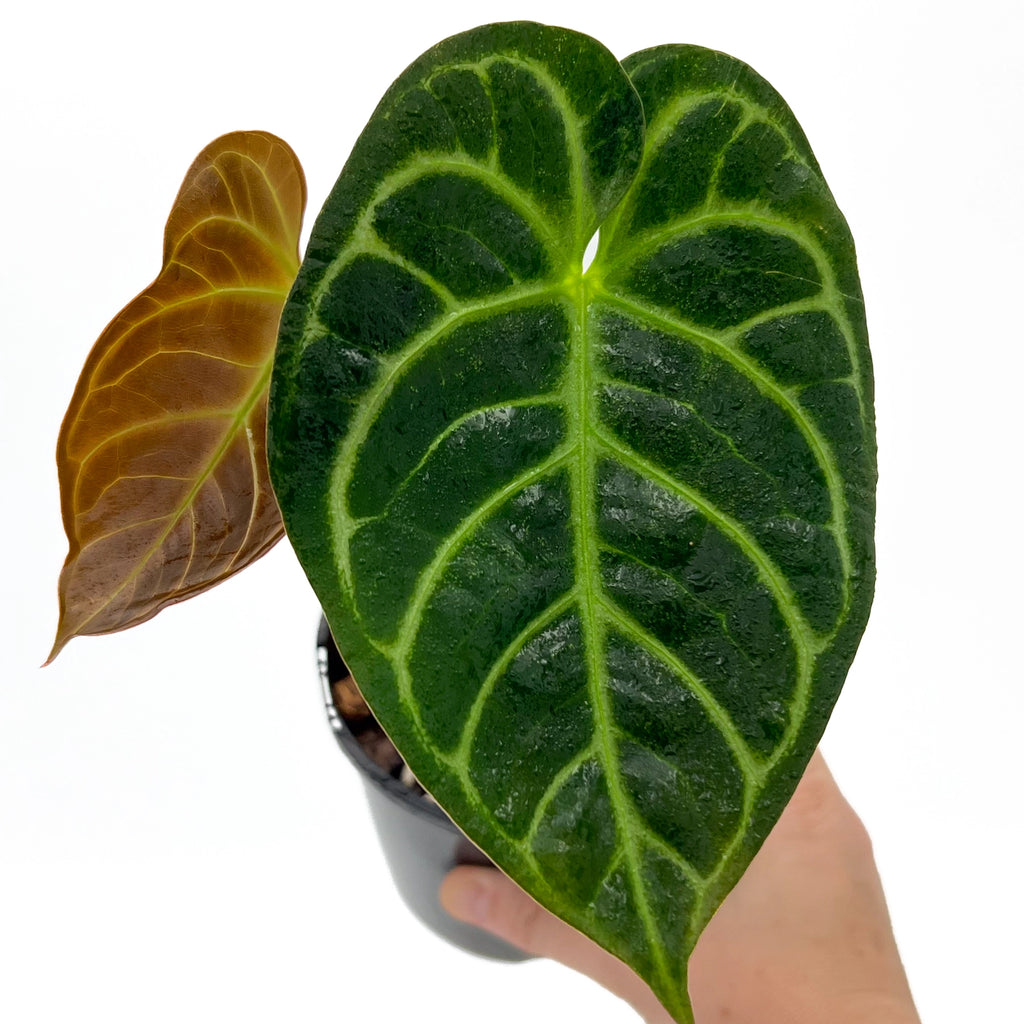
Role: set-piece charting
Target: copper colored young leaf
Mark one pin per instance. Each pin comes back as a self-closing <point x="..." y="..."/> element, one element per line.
<point x="161" y="456"/>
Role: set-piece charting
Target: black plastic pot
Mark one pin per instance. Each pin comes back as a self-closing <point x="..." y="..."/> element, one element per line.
<point x="420" y="842"/>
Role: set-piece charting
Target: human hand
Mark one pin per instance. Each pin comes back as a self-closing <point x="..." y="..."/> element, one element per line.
<point x="803" y="938"/>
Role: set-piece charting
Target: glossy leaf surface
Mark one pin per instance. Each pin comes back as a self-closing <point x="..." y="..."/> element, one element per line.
<point x="162" y="455"/>
<point x="597" y="544"/>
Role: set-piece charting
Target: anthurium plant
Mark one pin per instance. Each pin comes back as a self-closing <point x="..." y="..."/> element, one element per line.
<point x="593" y="534"/>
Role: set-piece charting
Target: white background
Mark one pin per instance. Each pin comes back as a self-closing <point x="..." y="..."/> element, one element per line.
<point x="179" y="837"/>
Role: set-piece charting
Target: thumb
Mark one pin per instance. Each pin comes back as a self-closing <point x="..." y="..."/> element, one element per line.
<point x="492" y="901"/>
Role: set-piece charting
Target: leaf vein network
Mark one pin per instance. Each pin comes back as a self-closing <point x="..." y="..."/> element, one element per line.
<point x="498" y="668"/>
<point x="625" y="385"/>
<point x="208" y="468"/>
<point x="767" y="386"/>
<point x="747" y="761"/>
<point x="140" y="426"/>
<point x="271" y="245"/>
<point x="126" y="329"/>
<point x="447" y="550"/>
<point x="420" y="165"/>
<point x="698" y="601"/>
<point x="767" y="570"/>
<point x="392" y="368"/>
<point x="272" y="189"/>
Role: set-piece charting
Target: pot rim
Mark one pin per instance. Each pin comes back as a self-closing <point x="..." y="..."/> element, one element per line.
<point x="394" y="788"/>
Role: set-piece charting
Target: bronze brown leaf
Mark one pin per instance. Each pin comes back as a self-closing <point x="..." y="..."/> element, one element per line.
<point x="161" y="455"/>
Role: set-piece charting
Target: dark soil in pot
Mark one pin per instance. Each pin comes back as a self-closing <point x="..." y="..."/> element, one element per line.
<point x="421" y="843"/>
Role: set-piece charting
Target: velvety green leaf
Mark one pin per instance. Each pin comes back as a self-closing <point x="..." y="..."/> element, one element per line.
<point x="596" y="543"/>
<point x="161" y="456"/>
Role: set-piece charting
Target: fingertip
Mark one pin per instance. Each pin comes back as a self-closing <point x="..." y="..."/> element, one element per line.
<point x="466" y="895"/>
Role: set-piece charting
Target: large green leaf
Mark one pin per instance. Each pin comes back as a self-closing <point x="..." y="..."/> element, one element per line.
<point x="596" y="542"/>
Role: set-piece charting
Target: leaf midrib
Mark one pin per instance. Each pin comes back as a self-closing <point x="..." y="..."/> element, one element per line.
<point x="582" y="474"/>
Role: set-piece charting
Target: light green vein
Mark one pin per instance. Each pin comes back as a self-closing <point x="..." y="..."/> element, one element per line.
<point x="613" y="865"/>
<point x="807" y="646"/>
<point x="698" y="602"/>
<point x="742" y="125"/>
<point x="423" y="165"/>
<point x="498" y="669"/>
<point x="661" y="129"/>
<point x="363" y="238"/>
<point x="479" y="69"/>
<point x="804" y="637"/>
<point x="694" y="223"/>
<point x="582" y="473"/>
<point x="342" y="523"/>
<point x="612" y="383"/>
<point x="573" y="144"/>
<point x="477" y="802"/>
<point x="749" y="764"/>
<point x="831" y="300"/>
<point x="766" y="385"/>
<point x="562" y="776"/>
<point x="811" y="304"/>
<point x="670" y="853"/>
<point x="452" y="428"/>
<point x="657" y="133"/>
<point x="400" y="650"/>
<point x="373" y="245"/>
<point x="362" y="233"/>
<point x="561" y="102"/>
